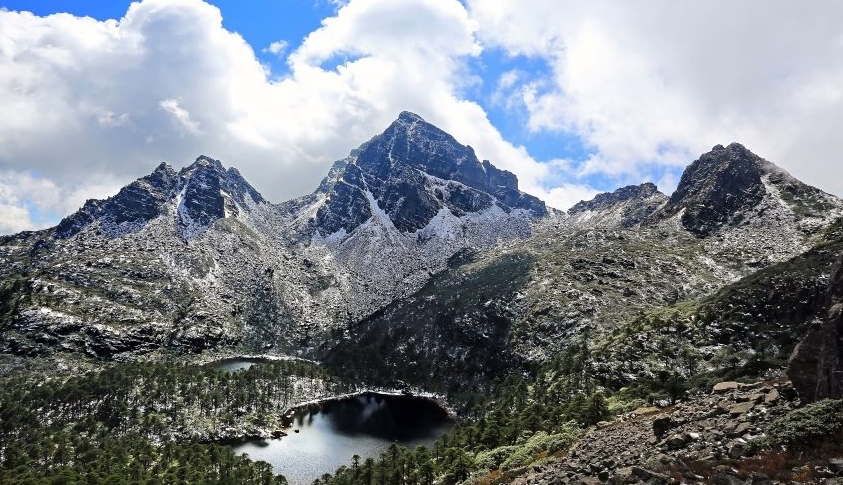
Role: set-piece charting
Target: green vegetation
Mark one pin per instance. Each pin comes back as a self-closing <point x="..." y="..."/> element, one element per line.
<point x="449" y="336"/>
<point x="805" y="426"/>
<point x="742" y="330"/>
<point x="94" y="457"/>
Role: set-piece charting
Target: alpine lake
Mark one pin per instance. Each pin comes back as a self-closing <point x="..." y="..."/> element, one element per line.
<point x="325" y="436"/>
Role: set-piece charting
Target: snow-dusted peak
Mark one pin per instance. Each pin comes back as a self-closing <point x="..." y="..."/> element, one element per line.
<point x="206" y="161"/>
<point x="722" y="183"/>
<point x="199" y="194"/>
<point x="413" y="170"/>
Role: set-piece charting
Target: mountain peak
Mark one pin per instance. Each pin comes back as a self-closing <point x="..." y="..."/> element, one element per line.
<point x="718" y="185"/>
<point x="164" y="167"/>
<point x="628" y="206"/>
<point x="608" y="199"/>
<point x="411" y="171"/>
<point x="206" y="161"/>
<point x="202" y="192"/>
<point x="410" y="117"/>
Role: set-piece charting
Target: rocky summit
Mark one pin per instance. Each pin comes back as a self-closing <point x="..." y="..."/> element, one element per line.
<point x="638" y="337"/>
<point x="414" y="172"/>
<point x="201" y="193"/>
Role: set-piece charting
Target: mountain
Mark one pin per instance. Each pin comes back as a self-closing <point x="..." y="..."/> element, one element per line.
<point x="594" y="273"/>
<point x="725" y="186"/>
<point x="395" y="210"/>
<point x="414" y="172"/>
<point x="198" y="259"/>
<point x="410" y="245"/>
<point x="201" y="193"/>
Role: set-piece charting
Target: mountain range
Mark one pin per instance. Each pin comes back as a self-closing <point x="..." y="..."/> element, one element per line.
<point x="198" y="259"/>
<point x="416" y="265"/>
<point x="405" y="236"/>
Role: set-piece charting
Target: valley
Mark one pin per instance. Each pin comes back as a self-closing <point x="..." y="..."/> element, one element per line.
<point x="416" y="268"/>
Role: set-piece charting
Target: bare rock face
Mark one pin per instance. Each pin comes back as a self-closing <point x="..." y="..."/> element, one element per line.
<point x="204" y="192"/>
<point x="816" y="366"/>
<point x="721" y="183"/>
<point x="130" y="210"/>
<point x="412" y="171"/>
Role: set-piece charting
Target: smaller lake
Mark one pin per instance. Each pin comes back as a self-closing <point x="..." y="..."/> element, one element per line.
<point x="235" y="364"/>
<point x="330" y="434"/>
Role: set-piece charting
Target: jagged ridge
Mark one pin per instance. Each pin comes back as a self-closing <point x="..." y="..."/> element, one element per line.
<point x="203" y="192"/>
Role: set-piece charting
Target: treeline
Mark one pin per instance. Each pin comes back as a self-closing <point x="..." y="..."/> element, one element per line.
<point x="168" y="399"/>
<point x="97" y="458"/>
<point x="136" y="420"/>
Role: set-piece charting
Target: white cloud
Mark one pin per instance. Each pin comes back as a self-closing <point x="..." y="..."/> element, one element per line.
<point x="661" y="83"/>
<point x="21" y="193"/>
<point x="565" y="195"/>
<point x="168" y="82"/>
<point x="180" y="115"/>
<point x="278" y="47"/>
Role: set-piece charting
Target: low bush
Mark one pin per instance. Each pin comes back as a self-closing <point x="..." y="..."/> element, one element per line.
<point x="807" y="425"/>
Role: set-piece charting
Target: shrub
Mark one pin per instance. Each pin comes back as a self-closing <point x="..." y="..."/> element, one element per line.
<point x="540" y="442"/>
<point x="491" y="459"/>
<point x="804" y="426"/>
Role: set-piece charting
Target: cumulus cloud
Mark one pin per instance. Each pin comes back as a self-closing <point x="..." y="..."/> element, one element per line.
<point x="656" y="86"/>
<point x="28" y="202"/>
<point x="180" y="115"/>
<point x="167" y="82"/>
<point x="278" y="47"/>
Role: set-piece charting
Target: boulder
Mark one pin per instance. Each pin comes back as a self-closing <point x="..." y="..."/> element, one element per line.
<point x="661" y="425"/>
<point x="722" y="387"/>
<point x="737" y="448"/>
<point x="741" y="408"/>
<point x="650" y="476"/>
<point x="725" y="479"/>
<point x="677" y="441"/>
<point x="771" y="397"/>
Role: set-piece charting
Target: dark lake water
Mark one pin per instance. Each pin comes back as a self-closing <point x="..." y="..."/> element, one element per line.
<point x="236" y="363"/>
<point x="330" y="434"/>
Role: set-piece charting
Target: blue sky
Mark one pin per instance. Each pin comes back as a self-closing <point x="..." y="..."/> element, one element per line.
<point x="260" y="22"/>
<point x="264" y="22"/>
<point x="573" y="97"/>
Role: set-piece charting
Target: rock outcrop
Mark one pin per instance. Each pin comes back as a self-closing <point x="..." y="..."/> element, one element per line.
<point x="816" y="366"/>
<point x="728" y="185"/>
<point x="717" y="186"/>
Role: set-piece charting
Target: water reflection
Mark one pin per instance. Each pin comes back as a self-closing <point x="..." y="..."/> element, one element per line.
<point x="325" y="437"/>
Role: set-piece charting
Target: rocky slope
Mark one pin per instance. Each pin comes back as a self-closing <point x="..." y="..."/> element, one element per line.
<point x="707" y="439"/>
<point x="626" y="207"/>
<point x="393" y="212"/>
<point x="816" y="366"/>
